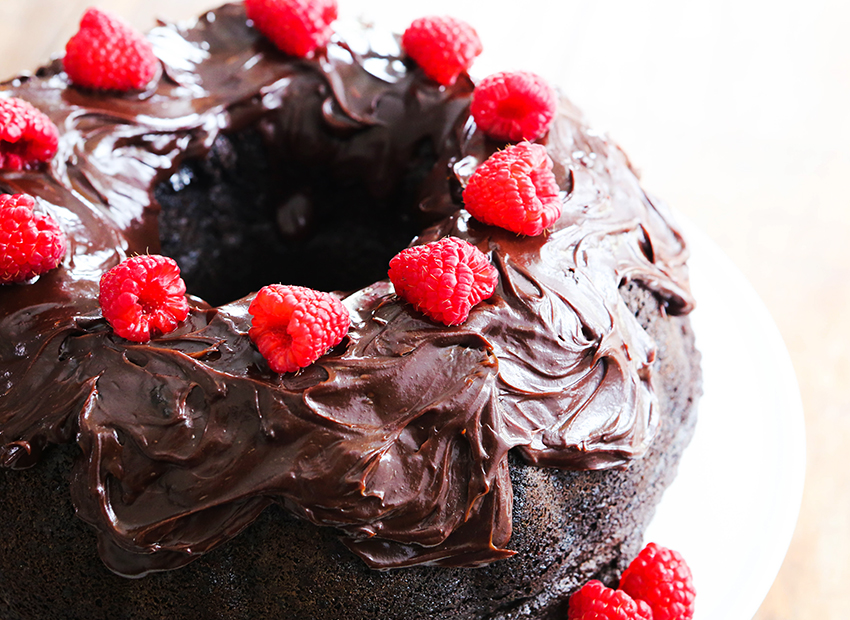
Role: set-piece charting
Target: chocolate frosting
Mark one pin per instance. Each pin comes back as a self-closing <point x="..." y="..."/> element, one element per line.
<point x="398" y="437"/>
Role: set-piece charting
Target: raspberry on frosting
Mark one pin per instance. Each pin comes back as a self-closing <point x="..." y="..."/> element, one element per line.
<point x="27" y="136"/>
<point x="662" y="578"/>
<point x="513" y="106"/>
<point x="30" y="243"/>
<point x="515" y="189"/>
<point x="143" y="296"/>
<point x="443" y="279"/>
<point x="296" y="27"/>
<point x="293" y="326"/>
<point x="109" y="54"/>
<point x="596" y="602"/>
<point x="444" y="47"/>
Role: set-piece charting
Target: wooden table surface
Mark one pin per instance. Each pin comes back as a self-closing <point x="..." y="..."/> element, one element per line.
<point x="738" y="114"/>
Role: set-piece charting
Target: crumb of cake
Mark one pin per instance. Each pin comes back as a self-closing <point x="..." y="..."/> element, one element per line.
<point x="444" y="47"/>
<point x="514" y="105"/>
<point x="293" y="326"/>
<point x="515" y="189"/>
<point x="143" y="296"/>
<point x="443" y="279"/>
<point x="109" y="54"/>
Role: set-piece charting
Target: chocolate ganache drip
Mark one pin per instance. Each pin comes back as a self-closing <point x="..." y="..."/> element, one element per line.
<point x="399" y="437"/>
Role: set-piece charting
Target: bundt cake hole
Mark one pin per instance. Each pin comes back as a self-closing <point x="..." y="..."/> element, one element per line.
<point x="241" y="218"/>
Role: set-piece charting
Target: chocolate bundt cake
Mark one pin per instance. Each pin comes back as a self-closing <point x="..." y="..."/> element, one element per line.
<point x="416" y="470"/>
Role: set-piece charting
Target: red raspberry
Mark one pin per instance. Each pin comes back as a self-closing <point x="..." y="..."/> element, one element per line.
<point x="443" y="279"/>
<point x="294" y="326"/>
<point x="143" y="295"/>
<point x="30" y="243"/>
<point x="661" y="577"/>
<point x="443" y="46"/>
<point x="514" y="106"/>
<point x="596" y="602"/>
<point x="109" y="54"/>
<point x="27" y="136"/>
<point x="515" y="189"/>
<point x="296" y="27"/>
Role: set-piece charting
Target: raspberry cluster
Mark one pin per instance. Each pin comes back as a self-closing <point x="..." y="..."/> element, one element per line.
<point x="294" y="326"/>
<point x="30" y="243"/>
<point x="109" y="54"/>
<point x="657" y="585"/>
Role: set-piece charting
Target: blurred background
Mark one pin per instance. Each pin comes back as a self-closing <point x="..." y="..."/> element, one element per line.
<point x="737" y="113"/>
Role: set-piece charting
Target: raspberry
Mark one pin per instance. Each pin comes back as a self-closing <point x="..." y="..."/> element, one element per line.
<point x="443" y="279"/>
<point x="109" y="54"/>
<point x="143" y="295"/>
<point x="30" y="243"/>
<point x="443" y="46"/>
<point x="513" y="106"/>
<point x="27" y="136"/>
<point x="294" y="326"/>
<point x="296" y="27"/>
<point x="596" y="602"/>
<point x="661" y="577"/>
<point x="515" y="189"/>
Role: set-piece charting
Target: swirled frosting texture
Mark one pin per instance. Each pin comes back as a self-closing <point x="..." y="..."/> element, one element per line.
<point x="399" y="437"/>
